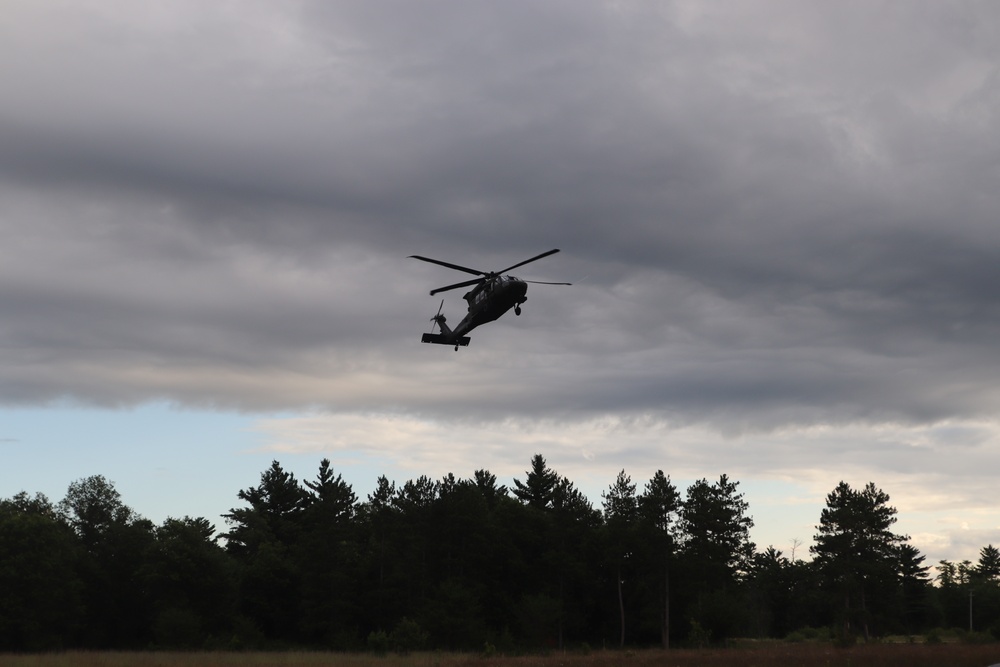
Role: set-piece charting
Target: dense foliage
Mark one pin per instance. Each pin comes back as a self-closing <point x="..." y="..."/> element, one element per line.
<point x="464" y="564"/>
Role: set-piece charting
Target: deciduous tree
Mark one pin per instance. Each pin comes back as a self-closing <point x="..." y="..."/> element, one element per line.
<point x="117" y="542"/>
<point x="192" y="583"/>
<point x="41" y="604"/>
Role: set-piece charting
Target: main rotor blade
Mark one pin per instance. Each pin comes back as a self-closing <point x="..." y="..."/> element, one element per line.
<point x="450" y="266"/>
<point x="541" y="282"/>
<point x="528" y="261"/>
<point x="457" y="285"/>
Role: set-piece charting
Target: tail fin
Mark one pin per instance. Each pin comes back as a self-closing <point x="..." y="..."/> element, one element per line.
<point x="440" y="320"/>
<point x="447" y="336"/>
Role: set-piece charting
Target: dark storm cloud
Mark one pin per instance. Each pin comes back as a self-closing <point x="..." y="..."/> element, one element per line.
<point x="769" y="221"/>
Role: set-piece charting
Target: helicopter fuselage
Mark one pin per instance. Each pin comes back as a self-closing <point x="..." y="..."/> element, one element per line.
<point x="490" y="300"/>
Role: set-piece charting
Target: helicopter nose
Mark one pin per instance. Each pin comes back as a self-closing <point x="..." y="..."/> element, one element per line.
<point x="517" y="287"/>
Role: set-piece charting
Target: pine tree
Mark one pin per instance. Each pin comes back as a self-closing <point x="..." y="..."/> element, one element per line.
<point x="326" y="555"/>
<point x="620" y="514"/>
<point x="914" y="582"/>
<point x="717" y="551"/>
<point x="379" y="518"/>
<point x="717" y="529"/>
<point x="332" y="495"/>
<point x="486" y="482"/>
<point x="275" y="507"/>
<point x="988" y="566"/>
<point x="659" y="510"/>
<point x="539" y="488"/>
<point x="263" y="538"/>
<point x="856" y="551"/>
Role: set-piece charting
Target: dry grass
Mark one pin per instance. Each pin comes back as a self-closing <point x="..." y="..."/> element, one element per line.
<point x="770" y="655"/>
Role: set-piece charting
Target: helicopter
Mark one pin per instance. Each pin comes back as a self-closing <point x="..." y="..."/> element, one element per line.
<point x="493" y="295"/>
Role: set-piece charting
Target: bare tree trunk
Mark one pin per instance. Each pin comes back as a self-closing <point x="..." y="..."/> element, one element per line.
<point x="665" y="631"/>
<point x="864" y="615"/>
<point x="847" y="615"/>
<point x="560" y="632"/>
<point x="621" y="607"/>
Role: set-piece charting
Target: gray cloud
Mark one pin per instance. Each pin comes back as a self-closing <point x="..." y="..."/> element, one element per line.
<point x="771" y="221"/>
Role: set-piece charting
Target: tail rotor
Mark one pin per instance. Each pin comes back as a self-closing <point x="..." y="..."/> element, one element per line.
<point x="439" y="318"/>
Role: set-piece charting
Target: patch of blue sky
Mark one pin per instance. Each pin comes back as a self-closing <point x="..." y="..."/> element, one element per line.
<point x="165" y="461"/>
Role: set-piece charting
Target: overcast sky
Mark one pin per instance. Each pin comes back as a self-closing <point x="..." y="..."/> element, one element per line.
<point x="780" y="219"/>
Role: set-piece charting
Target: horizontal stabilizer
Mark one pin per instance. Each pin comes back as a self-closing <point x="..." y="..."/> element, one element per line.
<point x="441" y="339"/>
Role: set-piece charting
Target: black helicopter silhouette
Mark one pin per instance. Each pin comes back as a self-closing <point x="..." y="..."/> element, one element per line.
<point x="493" y="295"/>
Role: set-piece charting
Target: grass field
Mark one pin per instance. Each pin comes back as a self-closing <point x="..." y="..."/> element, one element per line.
<point x="772" y="655"/>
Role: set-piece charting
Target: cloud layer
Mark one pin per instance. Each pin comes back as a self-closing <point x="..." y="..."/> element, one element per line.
<point x="777" y="215"/>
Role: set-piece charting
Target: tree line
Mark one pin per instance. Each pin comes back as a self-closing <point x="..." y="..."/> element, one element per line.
<point x="466" y="564"/>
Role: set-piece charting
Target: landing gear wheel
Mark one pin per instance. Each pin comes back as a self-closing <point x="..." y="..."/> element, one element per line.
<point x="456" y="348"/>
<point x="517" y="310"/>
